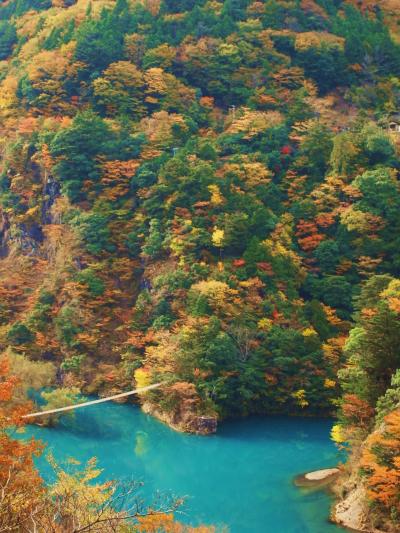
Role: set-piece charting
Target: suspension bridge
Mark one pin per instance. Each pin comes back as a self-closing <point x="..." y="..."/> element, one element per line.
<point x="93" y="402"/>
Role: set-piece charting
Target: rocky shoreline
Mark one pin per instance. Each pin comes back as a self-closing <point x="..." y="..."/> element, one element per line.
<point x="349" y="511"/>
<point x="197" y="424"/>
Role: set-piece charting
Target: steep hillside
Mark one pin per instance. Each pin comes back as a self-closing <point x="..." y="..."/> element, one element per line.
<point x="196" y="193"/>
<point x="369" y="416"/>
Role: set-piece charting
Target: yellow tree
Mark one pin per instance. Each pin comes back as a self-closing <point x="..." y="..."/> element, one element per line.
<point x="120" y="89"/>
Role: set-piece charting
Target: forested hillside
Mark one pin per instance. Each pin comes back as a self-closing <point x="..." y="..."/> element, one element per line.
<point x="205" y="193"/>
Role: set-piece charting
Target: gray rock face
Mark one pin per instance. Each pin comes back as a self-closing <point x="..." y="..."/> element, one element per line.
<point x="51" y="191"/>
<point x="206" y="424"/>
<point x="352" y="512"/>
<point x="4" y="230"/>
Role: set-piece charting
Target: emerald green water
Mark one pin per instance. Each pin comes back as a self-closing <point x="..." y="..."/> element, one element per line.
<point x="241" y="477"/>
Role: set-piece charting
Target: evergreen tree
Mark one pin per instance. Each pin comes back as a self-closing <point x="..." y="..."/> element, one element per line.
<point x="8" y="38"/>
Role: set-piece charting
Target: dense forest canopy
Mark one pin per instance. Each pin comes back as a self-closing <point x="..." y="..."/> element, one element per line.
<point x="205" y="193"/>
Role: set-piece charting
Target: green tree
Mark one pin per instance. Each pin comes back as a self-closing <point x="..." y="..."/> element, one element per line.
<point x="153" y="244"/>
<point x="120" y="90"/>
<point x="55" y="399"/>
<point x="96" y="235"/>
<point x="8" y="38"/>
<point x="99" y="43"/>
<point x="19" y="333"/>
<point x="76" y="150"/>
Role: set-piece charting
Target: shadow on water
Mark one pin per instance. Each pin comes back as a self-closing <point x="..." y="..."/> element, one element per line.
<point x="91" y="425"/>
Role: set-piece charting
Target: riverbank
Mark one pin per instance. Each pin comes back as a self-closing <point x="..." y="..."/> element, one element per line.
<point x="350" y="511"/>
<point x="183" y="423"/>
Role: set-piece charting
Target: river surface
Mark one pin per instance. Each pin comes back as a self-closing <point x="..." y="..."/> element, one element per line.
<point x="241" y="477"/>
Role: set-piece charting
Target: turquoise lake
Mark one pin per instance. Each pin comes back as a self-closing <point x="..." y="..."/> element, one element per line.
<point x="241" y="477"/>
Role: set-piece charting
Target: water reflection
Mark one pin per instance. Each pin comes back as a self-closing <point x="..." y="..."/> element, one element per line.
<point x="241" y="477"/>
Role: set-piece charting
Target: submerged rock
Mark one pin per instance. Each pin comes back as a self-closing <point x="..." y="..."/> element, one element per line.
<point x="317" y="478"/>
<point x="320" y="475"/>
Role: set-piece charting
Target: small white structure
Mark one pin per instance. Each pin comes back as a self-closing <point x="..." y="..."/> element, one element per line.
<point x="394" y="124"/>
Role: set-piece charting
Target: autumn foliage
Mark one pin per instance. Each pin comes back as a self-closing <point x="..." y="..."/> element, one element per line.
<point x="19" y="479"/>
<point x="200" y="193"/>
<point x="380" y="463"/>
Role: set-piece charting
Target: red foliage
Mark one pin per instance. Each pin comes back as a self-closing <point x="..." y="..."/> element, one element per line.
<point x="265" y="267"/>
<point x="308" y="236"/>
<point x="286" y="150"/>
<point x="19" y="479"/>
<point x="357" y="411"/>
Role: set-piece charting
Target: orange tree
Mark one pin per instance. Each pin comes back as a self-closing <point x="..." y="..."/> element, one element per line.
<point x="21" y="486"/>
